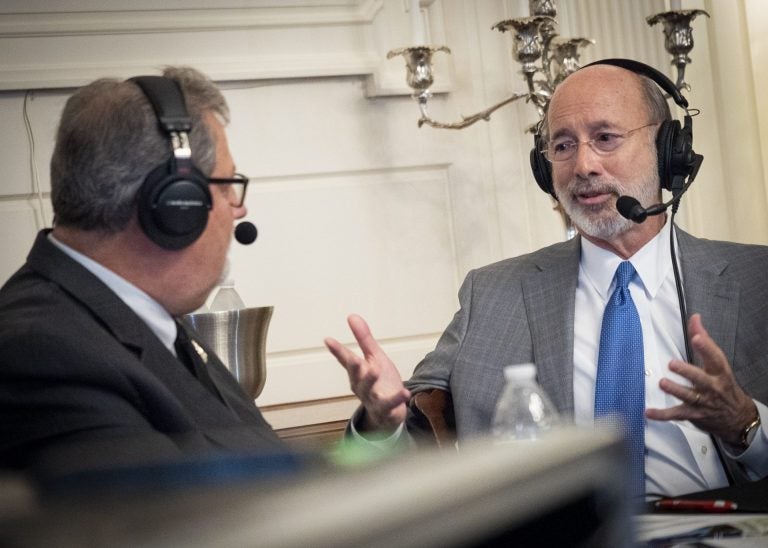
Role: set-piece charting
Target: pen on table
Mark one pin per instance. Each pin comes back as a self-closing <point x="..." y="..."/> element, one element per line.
<point x="713" y="506"/>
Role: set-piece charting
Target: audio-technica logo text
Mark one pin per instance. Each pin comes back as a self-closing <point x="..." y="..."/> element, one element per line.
<point x="184" y="203"/>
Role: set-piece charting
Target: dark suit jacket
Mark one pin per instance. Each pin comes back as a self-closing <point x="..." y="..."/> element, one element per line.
<point x="521" y="310"/>
<point x="84" y="383"/>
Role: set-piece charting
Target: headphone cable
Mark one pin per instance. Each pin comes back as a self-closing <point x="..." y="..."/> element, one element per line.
<point x="37" y="191"/>
<point x="684" y="317"/>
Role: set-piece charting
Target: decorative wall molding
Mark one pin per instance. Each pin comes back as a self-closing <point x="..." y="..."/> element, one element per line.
<point x="292" y="415"/>
<point x="389" y="76"/>
<point x="71" y="43"/>
<point x="307" y="376"/>
<point x="107" y="21"/>
<point x="58" y="48"/>
<point x="311" y="425"/>
<point x="221" y="69"/>
<point x="407" y="212"/>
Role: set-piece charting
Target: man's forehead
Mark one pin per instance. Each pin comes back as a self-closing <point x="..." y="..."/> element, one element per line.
<point x="604" y="96"/>
<point x="596" y="81"/>
<point x="586" y="113"/>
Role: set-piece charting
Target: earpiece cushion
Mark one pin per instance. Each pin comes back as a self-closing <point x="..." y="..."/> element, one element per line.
<point x="173" y="209"/>
<point x="665" y="142"/>
<point x="541" y="167"/>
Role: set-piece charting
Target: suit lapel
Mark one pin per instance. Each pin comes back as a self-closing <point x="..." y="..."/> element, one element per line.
<point x="549" y="293"/>
<point x="709" y="291"/>
<point x="126" y="327"/>
<point x="83" y="286"/>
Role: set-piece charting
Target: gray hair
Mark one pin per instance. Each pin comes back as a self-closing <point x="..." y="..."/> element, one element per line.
<point x="109" y="139"/>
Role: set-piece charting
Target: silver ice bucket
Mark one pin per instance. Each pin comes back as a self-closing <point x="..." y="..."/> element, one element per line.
<point x="239" y="338"/>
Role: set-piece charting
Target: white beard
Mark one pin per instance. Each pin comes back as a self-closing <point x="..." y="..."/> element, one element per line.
<point x="603" y="221"/>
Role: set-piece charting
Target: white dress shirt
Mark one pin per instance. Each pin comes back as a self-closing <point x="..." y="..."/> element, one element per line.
<point x="148" y="309"/>
<point x="680" y="458"/>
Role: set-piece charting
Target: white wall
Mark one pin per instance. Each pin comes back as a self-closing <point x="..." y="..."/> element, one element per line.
<point x="357" y="208"/>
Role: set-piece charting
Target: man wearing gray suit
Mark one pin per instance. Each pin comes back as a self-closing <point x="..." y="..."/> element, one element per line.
<point x="96" y="369"/>
<point x="705" y="416"/>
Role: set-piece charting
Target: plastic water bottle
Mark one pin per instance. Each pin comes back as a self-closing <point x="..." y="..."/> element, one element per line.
<point x="524" y="412"/>
<point x="226" y="298"/>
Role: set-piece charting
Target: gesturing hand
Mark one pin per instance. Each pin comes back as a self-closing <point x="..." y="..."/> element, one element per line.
<point x="715" y="402"/>
<point x="373" y="378"/>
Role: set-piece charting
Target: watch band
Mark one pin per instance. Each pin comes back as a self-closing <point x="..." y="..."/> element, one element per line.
<point x="749" y="432"/>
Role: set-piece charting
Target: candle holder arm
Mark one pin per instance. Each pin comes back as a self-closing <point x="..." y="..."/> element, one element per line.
<point x="466" y="120"/>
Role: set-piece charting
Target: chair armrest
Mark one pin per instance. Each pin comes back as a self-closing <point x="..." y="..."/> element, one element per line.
<point x="433" y="418"/>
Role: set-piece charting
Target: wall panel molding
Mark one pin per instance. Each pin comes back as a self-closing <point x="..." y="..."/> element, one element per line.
<point x="365" y="242"/>
<point x="72" y="43"/>
<point x="389" y="76"/>
<point x="105" y="22"/>
<point x="70" y="75"/>
<point x="61" y="49"/>
<point x="315" y="375"/>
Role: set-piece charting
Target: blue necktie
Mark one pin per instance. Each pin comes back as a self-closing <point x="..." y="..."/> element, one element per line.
<point x="620" y="384"/>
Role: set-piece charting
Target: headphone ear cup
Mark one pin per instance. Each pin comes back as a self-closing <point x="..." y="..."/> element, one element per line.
<point x="541" y="167"/>
<point x="665" y="142"/>
<point x="173" y="209"/>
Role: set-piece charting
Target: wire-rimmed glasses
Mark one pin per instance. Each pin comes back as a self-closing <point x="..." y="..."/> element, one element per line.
<point x="563" y="149"/>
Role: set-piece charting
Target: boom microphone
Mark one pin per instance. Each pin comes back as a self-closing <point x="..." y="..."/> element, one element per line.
<point x="245" y="233"/>
<point x="630" y="208"/>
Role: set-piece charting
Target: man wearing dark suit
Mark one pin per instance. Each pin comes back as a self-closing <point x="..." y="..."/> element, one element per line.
<point x="705" y="419"/>
<point x="90" y="374"/>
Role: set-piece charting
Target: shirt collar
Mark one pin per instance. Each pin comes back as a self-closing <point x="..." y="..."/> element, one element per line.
<point x="652" y="263"/>
<point x="148" y="309"/>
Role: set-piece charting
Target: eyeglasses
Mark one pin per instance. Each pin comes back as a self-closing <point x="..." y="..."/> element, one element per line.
<point x="235" y="187"/>
<point x="564" y="148"/>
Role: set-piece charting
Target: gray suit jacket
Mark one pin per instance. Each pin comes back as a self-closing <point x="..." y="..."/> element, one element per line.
<point x="522" y="310"/>
<point x="84" y="383"/>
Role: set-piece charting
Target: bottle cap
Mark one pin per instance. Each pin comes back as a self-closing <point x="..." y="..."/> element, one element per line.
<point x="520" y="372"/>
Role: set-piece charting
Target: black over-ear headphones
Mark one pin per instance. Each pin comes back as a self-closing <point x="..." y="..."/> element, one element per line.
<point x="674" y="144"/>
<point x="174" y="199"/>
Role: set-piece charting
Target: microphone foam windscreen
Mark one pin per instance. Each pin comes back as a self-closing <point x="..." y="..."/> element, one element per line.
<point x="630" y="208"/>
<point x="246" y="233"/>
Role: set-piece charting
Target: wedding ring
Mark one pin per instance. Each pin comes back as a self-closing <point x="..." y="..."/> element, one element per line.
<point x="695" y="401"/>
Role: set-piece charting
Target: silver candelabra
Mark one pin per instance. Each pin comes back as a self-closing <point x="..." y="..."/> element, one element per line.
<point x="678" y="38"/>
<point x="540" y="51"/>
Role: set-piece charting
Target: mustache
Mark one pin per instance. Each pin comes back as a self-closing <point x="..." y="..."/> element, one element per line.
<point x="593" y="186"/>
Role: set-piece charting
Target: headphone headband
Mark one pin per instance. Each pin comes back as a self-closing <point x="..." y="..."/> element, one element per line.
<point x="646" y="70"/>
<point x="174" y="198"/>
<point x="167" y="100"/>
